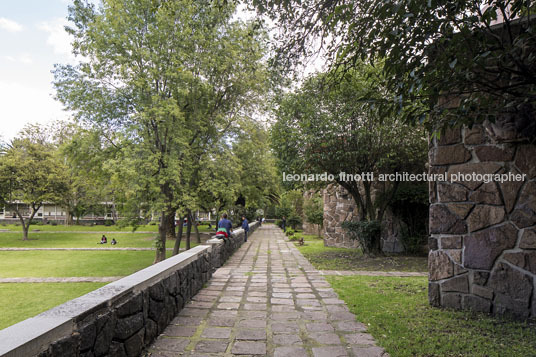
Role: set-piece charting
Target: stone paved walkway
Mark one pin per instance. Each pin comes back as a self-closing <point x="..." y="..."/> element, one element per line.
<point x="267" y="300"/>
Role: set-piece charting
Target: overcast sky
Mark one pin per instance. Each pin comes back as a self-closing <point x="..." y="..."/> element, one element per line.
<point x="32" y="40"/>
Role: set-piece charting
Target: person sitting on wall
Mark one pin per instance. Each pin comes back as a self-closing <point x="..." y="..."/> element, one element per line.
<point x="225" y="223"/>
<point x="114" y="242"/>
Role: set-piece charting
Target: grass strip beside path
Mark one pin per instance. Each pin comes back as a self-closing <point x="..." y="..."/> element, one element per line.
<point x="20" y="301"/>
<point x="398" y="315"/>
<point x="330" y="258"/>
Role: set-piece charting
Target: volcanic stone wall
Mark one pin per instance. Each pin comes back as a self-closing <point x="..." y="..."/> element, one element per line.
<point x="483" y="235"/>
<point x="123" y="317"/>
<point x="339" y="206"/>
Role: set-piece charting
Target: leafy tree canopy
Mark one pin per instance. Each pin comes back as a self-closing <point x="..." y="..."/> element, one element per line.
<point x="475" y="58"/>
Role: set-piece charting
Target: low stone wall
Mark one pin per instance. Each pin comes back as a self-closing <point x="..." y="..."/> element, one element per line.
<point x="483" y="235"/>
<point x="123" y="317"/>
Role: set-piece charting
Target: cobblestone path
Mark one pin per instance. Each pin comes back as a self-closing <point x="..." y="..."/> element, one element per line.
<point x="267" y="300"/>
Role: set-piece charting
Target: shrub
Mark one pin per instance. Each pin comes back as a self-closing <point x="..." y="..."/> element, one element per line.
<point x="290" y="232"/>
<point x="54" y="223"/>
<point x="294" y="220"/>
<point x="368" y="233"/>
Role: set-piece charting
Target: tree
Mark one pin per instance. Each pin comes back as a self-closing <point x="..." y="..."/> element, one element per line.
<point x="447" y="63"/>
<point x="313" y="210"/>
<point x="31" y="175"/>
<point x="341" y="135"/>
<point x="162" y="80"/>
<point x="258" y="176"/>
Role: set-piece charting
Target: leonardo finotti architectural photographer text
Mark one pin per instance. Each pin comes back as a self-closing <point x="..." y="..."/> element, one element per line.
<point x="405" y="176"/>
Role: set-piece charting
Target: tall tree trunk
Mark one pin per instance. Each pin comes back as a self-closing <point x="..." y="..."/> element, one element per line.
<point x="170" y="231"/>
<point x="69" y="218"/>
<point x="188" y="232"/>
<point x="161" y="239"/>
<point x="196" y="229"/>
<point x="26" y="225"/>
<point x="177" y="245"/>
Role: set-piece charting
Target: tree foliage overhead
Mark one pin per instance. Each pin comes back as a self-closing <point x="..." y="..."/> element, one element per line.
<point x="482" y="52"/>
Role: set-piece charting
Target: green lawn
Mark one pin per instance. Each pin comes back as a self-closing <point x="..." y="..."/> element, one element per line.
<point x="399" y="317"/>
<point x="73" y="263"/>
<point x="329" y="258"/>
<point x="82" y="240"/>
<point x="22" y="301"/>
<point x="82" y="228"/>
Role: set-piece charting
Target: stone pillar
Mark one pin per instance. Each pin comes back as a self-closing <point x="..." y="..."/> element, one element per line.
<point x="483" y="235"/>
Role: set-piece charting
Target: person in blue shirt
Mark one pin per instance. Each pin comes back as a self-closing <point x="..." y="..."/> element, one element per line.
<point x="245" y="227"/>
<point x="225" y="223"/>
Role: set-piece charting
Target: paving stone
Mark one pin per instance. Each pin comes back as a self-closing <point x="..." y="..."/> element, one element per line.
<point x="222" y="321"/>
<point x="230" y="299"/>
<point x="351" y="326"/>
<point x="251" y="334"/>
<point x="325" y="338"/>
<point x="193" y="312"/>
<point x="223" y="313"/>
<point x="359" y="339"/>
<point x="171" y="344"/>
<point x="284" y="308"/>
<point x="211" y="346"/>
<point x="281" y="316"/>
<point x="332" y="301"/>
<point x="305" y="296"/>
<point x="368" y="351"/>
<point x="201" y="304"/>
<point x="319" y="327"/>
<point x="179" y="331"/>
<point x="282" y="301"/>
<point x="216" y="332"/>
<point x="289" y="327"/>
<point x="256" y="307"/>
<point x="315" y="315"/>
<point x="253" y="314"/>
<point x="330" y="352"/>
<point x="282" y="295"/>
<point x="287" y="339"/>
<point x="205" y="298"/>
<point x="252" y="324"/>
<point x="256" y="299"/>
<point x="249" y="348"/>
<point x="257" y="293"/>
<point x="228" y="306"/>
<point x="187" y="320"/>
<point x="342" y="315"/>
<point x="290" y="352"/>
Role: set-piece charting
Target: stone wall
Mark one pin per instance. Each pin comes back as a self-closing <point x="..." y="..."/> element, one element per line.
<point x="123" y="317"/>
<point x="483" y="235"/>
<point x="339" y="207"/>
